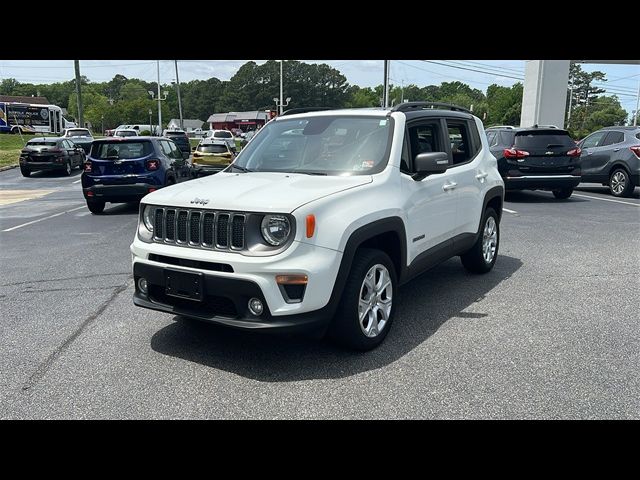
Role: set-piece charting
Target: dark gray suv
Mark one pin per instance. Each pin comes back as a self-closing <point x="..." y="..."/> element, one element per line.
<point x="611" y="156"/>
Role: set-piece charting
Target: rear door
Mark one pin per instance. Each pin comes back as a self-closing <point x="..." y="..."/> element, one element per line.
<point x="547" y="152"/>
<point x="593" y="156"/>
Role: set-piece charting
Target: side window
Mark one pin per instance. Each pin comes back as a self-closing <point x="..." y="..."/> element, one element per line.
<point x="67" y="144"/>
<point x="613" y="137"/>
<point x="423" y="139"/>
<point x="166" y="148"/>
<point x="594" y="140"/>
<point x="506" y="138"/>
<point x="175" y="151"/>
<point x="404" y="156"/>
<point x="460" y="141"/>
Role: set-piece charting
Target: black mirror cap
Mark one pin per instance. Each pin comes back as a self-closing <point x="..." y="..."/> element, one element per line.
<point x="429" y="164"/>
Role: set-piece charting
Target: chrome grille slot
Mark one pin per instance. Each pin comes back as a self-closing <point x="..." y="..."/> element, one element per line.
<point x="222" y="230"/>
<point x="200" y="228"/>
<point x="182" y="226"/>
<point x="207" y="229"/>
<point x="170" y="225"/>
<point x="237" y="232"/>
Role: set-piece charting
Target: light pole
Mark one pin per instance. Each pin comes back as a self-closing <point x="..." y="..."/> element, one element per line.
<point x="150" y="92"/>
<point x="279" y="104"/>
<point x="385" y="93"/>
<point x="179" y="100"/>
<point x="102" y="118"/>
<point x="635" y="117"/>
<point x="151" y="124"/>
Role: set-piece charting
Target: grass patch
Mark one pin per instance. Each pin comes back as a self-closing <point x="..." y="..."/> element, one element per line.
<point x="10" y="146"/>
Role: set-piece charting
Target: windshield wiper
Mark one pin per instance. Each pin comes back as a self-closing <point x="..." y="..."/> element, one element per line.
<point x="242" y="169"/>
<point x="306" y="172"/>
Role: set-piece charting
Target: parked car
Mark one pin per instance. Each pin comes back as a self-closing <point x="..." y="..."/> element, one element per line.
<point x="211" y="156"/>
<point x="126" y="132"/>
<point x="50" y="153"/>
<point x="122" y="170"/>
<point x="80" y="136"/>
<point x="316" y="230"/>
<point x="110" y="132"/>
<point x="237" y="132"/>
<point x="611" y="156"/>
<point x="536" y="158"/>
<point x="181" y="139"/>
<point x="225" y="135"/>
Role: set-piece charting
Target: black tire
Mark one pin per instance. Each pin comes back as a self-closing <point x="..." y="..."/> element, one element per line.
<point x="620" y="183"/>
<point x="25" y="172"/>
<point x="95" y="206"/>
<point x="474" y="260"/>
<point x="345" y="328"/>
<point x="15" y="131"/>
<point x="170" y="181"/>
<point x="67" y="168"/>
<point x="563" y="193"/>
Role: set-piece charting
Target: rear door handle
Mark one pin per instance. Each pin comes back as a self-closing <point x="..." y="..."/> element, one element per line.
<point x="616" y="149"/>
<point x="482" y="175"/>
<point x="589" y="153"/>
<point x="449" y="186"/>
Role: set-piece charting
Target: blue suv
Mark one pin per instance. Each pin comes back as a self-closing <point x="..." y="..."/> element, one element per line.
<point x="120" y="170"/>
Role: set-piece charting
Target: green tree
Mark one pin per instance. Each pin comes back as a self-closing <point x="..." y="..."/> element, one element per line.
<point x="504" y="104"/>
<point x="602" y="112"/>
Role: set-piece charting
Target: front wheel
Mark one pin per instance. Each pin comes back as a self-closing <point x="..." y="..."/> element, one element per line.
<point x="25" y="172"/>
<point x="620" y="184"/>
<point x="482" y="256"/>
<point x="563" y="193"/>
<point x="366" y="308"/>
<point x="95" y="207"/>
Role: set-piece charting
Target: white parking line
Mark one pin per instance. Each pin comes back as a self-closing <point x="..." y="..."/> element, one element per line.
<point x="507" y="210"/>
<point x="606" y="199"/>
<point x="41" y="219"/>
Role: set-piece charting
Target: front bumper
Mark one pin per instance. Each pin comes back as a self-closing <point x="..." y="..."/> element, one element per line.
<point x="207" y="169"/>
<point x="532" y="182"/>
<point x="226" y="292"/>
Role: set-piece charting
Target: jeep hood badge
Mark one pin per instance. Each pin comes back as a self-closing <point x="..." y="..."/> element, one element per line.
<point x="200" y="201"/>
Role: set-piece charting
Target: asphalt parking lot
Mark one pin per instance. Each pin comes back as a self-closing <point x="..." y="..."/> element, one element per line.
<point x="551" y="332"/>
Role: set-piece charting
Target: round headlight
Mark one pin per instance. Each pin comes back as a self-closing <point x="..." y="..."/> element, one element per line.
<point x="147" y="217"/>
<point x="276" y="229"/>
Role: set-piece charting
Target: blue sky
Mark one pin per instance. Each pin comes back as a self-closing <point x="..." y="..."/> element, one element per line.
<point x="623" y="80"/>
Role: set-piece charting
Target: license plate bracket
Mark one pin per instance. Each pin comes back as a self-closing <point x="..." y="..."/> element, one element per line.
<point x="182" y="284"/>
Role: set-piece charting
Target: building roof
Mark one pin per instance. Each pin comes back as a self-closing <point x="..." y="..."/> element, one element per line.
<point x="222" y="117"/>
<point x="188" y="123"/>
<point x="24" y="99"/>
<point x="254" y="115"/>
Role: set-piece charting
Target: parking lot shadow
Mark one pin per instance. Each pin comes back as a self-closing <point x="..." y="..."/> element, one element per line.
<point x="423" y="306"/>
<point x="532" y="196"/>
<point x="605" y="191"/>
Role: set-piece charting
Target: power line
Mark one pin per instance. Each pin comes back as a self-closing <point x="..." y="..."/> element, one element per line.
<point x="83" y="66"/>
<point x="474" y="70"/>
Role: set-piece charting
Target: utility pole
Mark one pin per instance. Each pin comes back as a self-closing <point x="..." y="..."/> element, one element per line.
<point x="78" y="93"/>
<point x="281" y="87"/>
<point x="635" y="117"/>
<point x="179" y="100"/>
<point x="385" y="93"/>
<point x="159" y="102"/>
<point x="570" y="103"/>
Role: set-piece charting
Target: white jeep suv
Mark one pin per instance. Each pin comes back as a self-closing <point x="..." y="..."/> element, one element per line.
<point x="319" y="220"/>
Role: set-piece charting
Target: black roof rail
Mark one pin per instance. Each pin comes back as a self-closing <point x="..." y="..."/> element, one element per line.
<point x="408" y="106"/>
<point x="295" y="111"/>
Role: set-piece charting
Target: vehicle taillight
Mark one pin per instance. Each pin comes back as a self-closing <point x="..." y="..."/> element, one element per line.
<point x="576" y="152"/>
<point x="636" y="150"/>
<point x="87" y="166"/>
<point x="152" y="165"/>
<point x="514" y="153"/>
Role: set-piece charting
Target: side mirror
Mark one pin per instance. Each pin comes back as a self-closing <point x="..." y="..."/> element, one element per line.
<point x="185" y="155"/>
<point x="430" y="164"/>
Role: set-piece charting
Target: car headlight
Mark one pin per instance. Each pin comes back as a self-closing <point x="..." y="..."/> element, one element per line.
<point x="147" y="217"/>
<point x="276" y="229"/>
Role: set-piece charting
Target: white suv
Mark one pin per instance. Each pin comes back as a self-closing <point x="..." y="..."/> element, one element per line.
<point x="319" y="220"/>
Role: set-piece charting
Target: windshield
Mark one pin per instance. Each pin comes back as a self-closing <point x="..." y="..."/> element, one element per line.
<point x="121" y="150"/>
<point x="542" y="140"/>
<point x="212" y="149"/>
<point x="325" y="145"/>
<point x="78" y="133"/>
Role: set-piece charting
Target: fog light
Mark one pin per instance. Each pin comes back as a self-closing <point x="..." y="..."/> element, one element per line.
<point x="142" y="285"/>
<point x="255" y="307"/>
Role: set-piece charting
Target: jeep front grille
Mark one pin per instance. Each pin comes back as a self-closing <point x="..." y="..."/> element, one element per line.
<point x="199" y="228"/>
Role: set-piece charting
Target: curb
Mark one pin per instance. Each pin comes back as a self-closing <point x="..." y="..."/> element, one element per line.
<point x="9" y="167"/>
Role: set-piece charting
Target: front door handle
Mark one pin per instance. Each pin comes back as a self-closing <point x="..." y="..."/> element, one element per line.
<point x="482" y="175"/>
<point x="589" y="153"/>
<point x="449" y="186"/>
<point x="616" y="149"/>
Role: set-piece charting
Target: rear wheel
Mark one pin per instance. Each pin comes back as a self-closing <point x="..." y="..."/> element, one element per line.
<point x="365" y="312"/>
<point x="563" y="193"/>
<point x="482" y="256"/>
<point x="67" y="168"/>
<point x="620" y="184"/>
<point x="25" y="172"/>
<point x="95" y="206"/>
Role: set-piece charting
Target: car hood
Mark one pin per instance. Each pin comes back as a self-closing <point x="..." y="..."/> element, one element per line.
<point x="254" y="192"/>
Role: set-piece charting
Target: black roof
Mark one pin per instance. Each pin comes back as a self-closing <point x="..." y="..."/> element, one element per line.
<point x="562" y="131"/>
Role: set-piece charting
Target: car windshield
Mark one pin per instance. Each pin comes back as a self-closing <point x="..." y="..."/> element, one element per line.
<point x="323" y="145"/>
<point x="542" y="140"/>
<point x="212" y="149"/>
<point x="121" y="150"/>
<point x="78" y="133"/>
